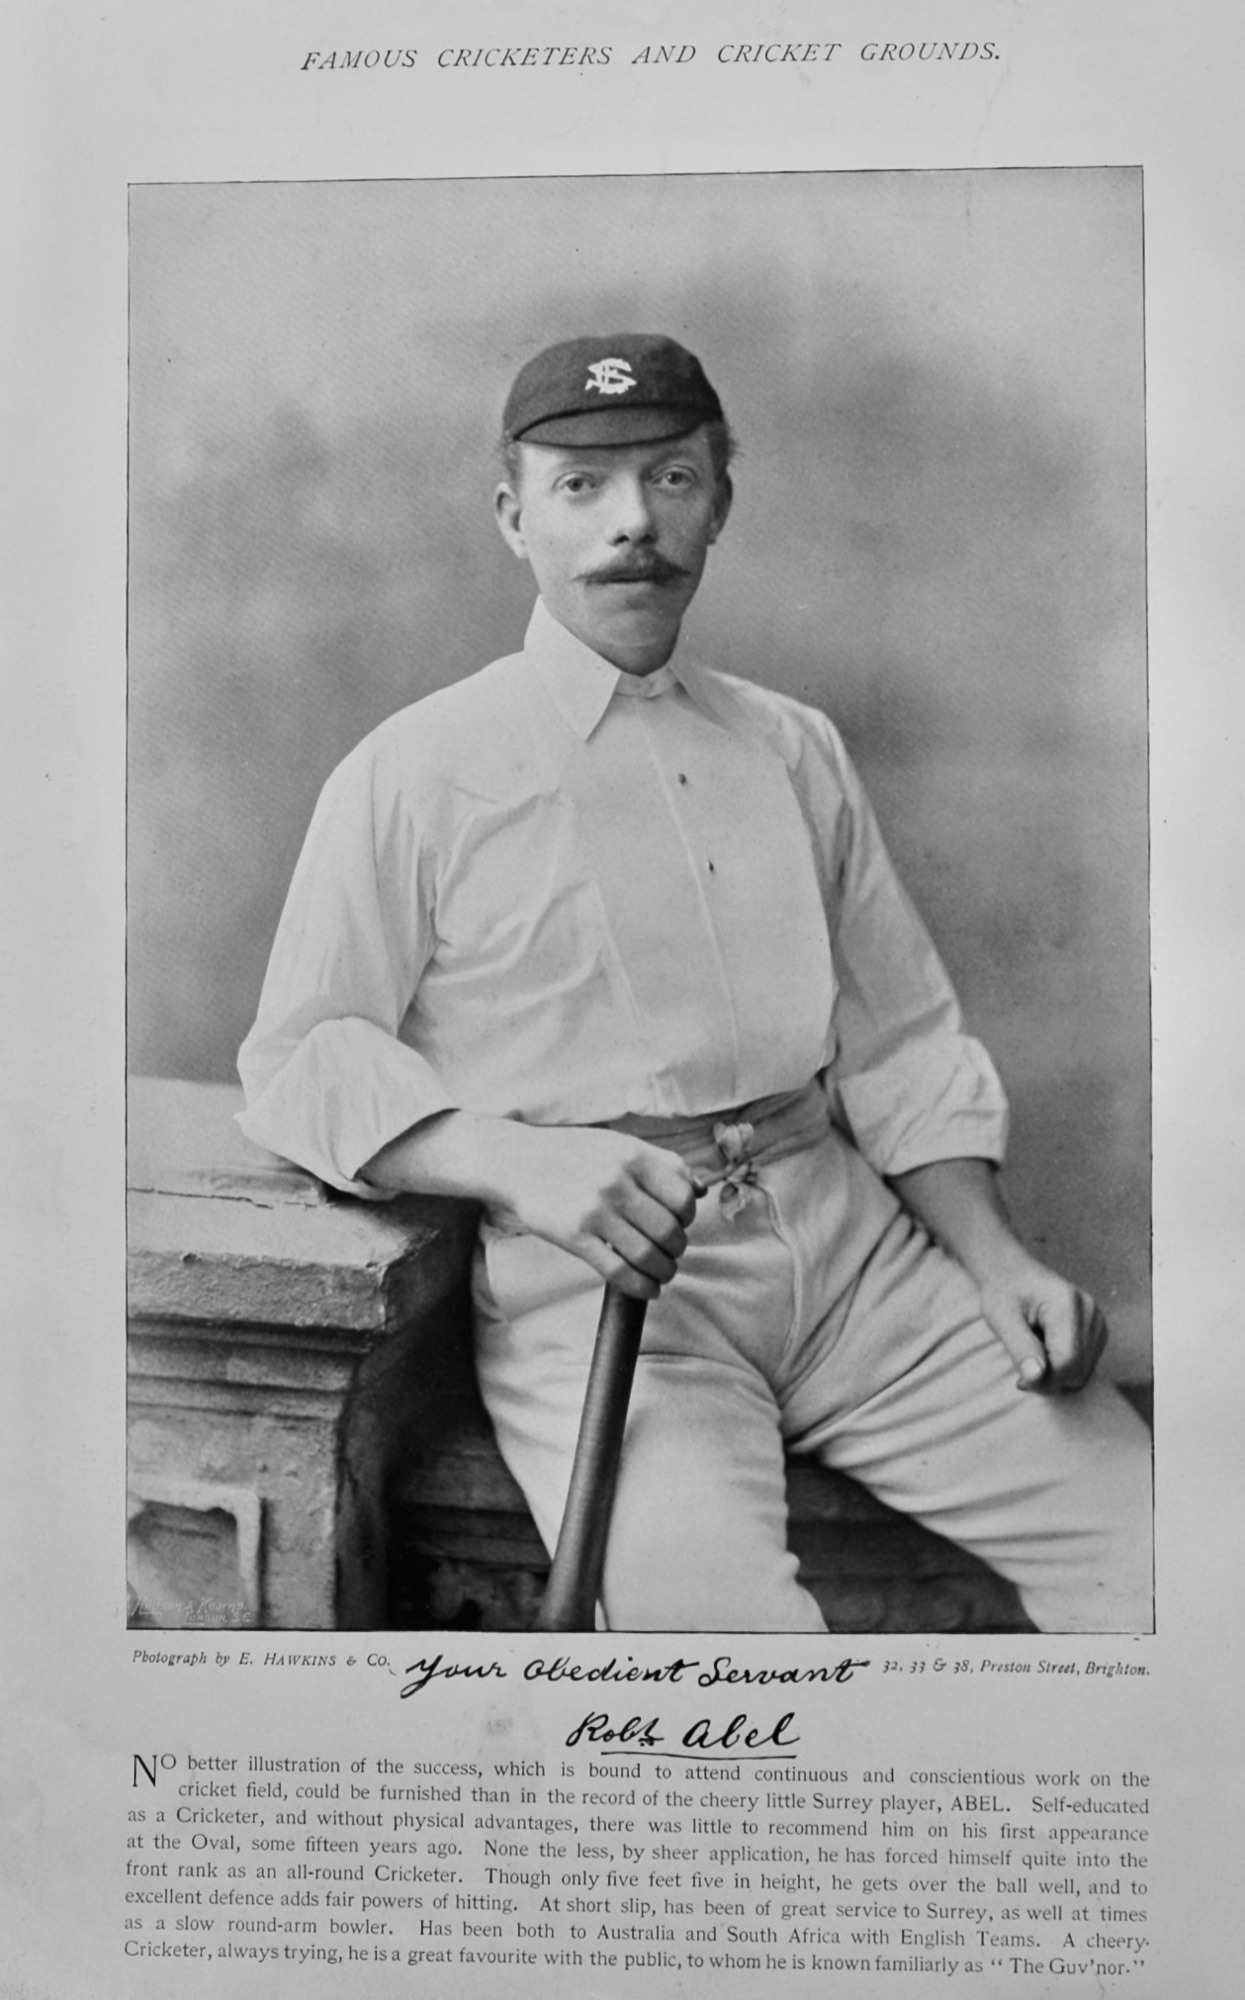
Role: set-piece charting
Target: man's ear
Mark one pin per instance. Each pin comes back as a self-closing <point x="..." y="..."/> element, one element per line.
<point x="722" y="506"/>
<point x="509" y="519"/>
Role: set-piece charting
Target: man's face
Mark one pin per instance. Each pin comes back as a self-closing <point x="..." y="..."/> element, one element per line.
<point x="617" y="538"/>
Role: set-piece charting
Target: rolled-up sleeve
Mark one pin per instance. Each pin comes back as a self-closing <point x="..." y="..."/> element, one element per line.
<point x="913" y="1086"/>
<point x="327" y="1079"/>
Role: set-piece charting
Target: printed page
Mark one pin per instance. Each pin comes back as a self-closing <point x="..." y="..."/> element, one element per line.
<point x="967" y="282"/>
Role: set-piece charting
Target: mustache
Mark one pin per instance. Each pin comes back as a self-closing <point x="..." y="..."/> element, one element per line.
<point x="641" y="566"/>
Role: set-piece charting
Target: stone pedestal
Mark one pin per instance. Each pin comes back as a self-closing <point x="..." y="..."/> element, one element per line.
<point x="277" y="1336"/>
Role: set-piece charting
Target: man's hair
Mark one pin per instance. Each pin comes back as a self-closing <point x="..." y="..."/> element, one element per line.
<point x="723" y="450"/>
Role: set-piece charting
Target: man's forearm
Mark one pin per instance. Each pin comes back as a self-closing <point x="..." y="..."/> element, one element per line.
<point x="453" y="1153"/>
<point x="960" y="1203"/>
<point x="608" y="1197"/>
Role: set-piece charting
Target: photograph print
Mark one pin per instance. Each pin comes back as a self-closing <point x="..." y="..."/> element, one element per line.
<point x="637" y="922"/>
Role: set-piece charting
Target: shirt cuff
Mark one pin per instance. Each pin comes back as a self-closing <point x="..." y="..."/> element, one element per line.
<point x="341" y="1093"/>
<point x="912" y="1111"/>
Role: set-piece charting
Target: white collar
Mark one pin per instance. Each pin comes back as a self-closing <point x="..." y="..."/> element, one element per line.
<point x="581" y="684"/>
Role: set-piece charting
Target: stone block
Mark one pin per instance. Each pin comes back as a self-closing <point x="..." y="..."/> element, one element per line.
<point x="277" y="1340"/>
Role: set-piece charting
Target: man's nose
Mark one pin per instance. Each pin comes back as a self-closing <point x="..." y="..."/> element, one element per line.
<point x="633" y="513"/>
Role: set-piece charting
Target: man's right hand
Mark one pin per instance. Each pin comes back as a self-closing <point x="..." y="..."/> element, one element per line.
<point x="622" y="1205"/>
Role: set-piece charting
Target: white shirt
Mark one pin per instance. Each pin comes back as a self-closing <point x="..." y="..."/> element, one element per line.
<point x="561" y="893"/>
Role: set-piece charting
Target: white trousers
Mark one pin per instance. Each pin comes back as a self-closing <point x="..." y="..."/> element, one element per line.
<point x="813" y="1316"/>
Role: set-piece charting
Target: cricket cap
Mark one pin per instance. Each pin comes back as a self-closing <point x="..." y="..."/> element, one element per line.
<point x="616" y="388"/>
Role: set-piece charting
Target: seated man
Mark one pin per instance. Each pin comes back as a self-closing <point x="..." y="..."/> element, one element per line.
<point x="610" y="942"/>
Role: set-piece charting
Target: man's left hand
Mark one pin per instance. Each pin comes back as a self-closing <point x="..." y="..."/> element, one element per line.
<point x="1054" y="1331"/>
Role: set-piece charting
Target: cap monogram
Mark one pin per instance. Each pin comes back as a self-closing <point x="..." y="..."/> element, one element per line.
<point x="612" y="377"/>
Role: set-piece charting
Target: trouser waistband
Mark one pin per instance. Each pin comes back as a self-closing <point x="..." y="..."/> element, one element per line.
<point x="727" y="1147"/>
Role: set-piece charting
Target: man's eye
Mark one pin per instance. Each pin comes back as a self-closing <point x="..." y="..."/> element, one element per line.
<point x="575" y="482"/>
<point x="676" y="475"/>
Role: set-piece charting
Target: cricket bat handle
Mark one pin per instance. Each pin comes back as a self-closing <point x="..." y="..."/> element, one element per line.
<point x="574" y="1586"/>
